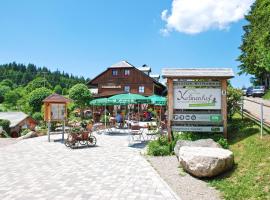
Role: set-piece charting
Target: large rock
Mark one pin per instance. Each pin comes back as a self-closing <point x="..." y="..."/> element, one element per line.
<point x="30" y="134"/>
<point x="197" y="143"/>
<point x="205" y="161"/>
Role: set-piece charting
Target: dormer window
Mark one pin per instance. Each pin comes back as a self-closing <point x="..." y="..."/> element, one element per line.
<point x="127" y="72"/>
<point x="114" y="72"/>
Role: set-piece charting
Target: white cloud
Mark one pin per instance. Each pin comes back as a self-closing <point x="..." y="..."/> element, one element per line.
<point x="195" y="16"/>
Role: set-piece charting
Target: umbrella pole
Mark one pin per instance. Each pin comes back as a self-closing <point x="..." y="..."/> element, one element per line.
<point x="160" y="115"/>
<point x="105" y="117"/>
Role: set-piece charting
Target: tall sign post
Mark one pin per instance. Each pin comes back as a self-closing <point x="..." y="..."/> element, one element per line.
<point x="197" y="99"/>
<point x="55" y="110"/>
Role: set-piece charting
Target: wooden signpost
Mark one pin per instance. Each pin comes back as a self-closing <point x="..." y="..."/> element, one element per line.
<point x="197" y="99"/>
<point x="55" y="110"/>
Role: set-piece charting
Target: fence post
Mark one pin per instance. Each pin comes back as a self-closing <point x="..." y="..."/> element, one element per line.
<point x="242" y="108"/>
<point x="261" y="120"/>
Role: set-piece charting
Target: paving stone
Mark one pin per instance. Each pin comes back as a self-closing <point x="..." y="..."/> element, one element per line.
<point x="36" y="169"/>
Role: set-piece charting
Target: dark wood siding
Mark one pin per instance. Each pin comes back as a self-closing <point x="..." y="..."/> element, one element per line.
<point x="109" y="85"/>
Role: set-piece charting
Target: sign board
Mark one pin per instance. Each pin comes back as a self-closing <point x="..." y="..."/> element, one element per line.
<point x="111" y="86"/>
<point x="57" y="112"/>
<point x="182" y="83"/>
<point x="197" y="128"/>
<point x="197" y="98"/>
<point x="197" y="117"/>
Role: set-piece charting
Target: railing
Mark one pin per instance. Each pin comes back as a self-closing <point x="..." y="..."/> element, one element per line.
<point x="259" y="118"/>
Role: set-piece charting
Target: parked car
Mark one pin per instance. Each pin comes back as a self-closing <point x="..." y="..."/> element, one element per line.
<point x="258" y="91"/>
<point x="249" y="91"/>
<point x="244" y="91"/>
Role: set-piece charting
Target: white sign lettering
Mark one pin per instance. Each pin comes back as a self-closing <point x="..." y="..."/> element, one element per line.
<point x="197" y="98"/>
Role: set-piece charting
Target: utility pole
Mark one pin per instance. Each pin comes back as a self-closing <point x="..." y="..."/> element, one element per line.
<point x="44" y="78"/>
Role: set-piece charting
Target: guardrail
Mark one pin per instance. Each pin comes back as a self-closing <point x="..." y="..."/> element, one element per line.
<point x="251" y="115"/>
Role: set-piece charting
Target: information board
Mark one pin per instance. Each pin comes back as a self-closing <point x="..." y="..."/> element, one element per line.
<point x="197" y="98"/>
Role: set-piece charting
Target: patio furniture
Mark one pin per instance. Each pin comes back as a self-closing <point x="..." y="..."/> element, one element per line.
<point x="152" y="132"/>
<point x="136" y="131"/>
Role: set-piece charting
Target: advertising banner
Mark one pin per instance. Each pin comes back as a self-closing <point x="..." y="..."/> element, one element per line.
<point x="197" y="98"/>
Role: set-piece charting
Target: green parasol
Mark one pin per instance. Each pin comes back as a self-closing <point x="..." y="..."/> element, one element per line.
<point x="158" y="100"/>
<point x="128" y="98"/>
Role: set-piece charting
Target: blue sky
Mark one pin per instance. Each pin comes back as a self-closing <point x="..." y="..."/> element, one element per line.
<point x="85" y="37"/>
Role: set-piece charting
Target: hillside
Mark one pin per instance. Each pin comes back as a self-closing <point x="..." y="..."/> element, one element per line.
<point x="21" y="75"/>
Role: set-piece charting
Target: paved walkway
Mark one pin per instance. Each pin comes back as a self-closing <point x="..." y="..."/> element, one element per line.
<point x="36" y="169"/>
<point x="255" y="109"/>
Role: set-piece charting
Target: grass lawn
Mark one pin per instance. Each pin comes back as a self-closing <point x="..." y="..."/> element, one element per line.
<point x="250" y="179"/>
<point x="267" y="95"/>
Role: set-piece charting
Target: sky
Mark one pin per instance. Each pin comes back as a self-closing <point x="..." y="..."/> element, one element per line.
<point x="84" y="37"/>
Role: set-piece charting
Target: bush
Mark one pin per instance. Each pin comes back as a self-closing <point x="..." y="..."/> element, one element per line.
<point x="37" y="116"/>
<point x="5" y="125"/>
<point x="233" y="99"/>
<point x="160" y="147"/>
<point x="37" y="96"/>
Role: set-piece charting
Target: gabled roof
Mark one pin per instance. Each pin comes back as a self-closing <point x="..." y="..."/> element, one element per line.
<point x="197" y="72"/>
<point x="121" y="64"/>
<point x="125" y="64"/>
<point x="14" y="117"/>
<point x="56" y="98"/>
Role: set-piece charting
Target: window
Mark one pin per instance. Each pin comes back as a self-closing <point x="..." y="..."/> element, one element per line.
<point x="127" y="72"/>
<point x="141" y="89"/>
<point x="127" y="88"/>
<point x="114" y="72"/>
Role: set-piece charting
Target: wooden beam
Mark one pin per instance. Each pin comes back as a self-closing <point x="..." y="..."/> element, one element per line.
<point x="170" y="107"/>
<point x="224" y="106"/>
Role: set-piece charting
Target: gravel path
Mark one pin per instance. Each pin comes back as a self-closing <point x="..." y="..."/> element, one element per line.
<point x="186" y="186"/>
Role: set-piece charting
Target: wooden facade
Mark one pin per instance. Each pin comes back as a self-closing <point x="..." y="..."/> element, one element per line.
<point x="124" y="78"/>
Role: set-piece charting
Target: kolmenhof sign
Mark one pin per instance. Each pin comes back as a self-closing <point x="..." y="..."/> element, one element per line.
<point x="197" y="98"/>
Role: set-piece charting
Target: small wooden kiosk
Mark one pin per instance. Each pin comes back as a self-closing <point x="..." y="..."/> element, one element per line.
<point x="197" y="99"/>
<point x="55" y="110"/>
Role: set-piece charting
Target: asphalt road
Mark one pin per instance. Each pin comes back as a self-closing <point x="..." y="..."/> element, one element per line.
<point x="254" y="108"/>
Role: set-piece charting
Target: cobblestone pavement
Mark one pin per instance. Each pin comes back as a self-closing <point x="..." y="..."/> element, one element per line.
<point x="36" y="169"/>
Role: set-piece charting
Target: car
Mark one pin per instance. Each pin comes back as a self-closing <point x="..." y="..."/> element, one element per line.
<point x="244" y="91"/>
<point x="249" y="91"/>
<point x="258" y="91"/>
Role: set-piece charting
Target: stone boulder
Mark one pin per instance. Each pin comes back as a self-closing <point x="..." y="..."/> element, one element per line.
<point x="197" y="143"/>
<point x="205" y="161"/>
<point x="30" y="134"/>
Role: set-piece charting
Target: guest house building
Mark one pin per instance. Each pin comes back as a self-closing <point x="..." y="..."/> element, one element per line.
<point x="123" y="77"/>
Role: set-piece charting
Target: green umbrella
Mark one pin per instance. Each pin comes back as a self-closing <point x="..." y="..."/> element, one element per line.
<point x="158" y="100"/>
<point x="128" y="98"/>
<point x="101" y="102"/>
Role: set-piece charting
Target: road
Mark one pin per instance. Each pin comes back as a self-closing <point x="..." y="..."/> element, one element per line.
<point x="255" y="108"/>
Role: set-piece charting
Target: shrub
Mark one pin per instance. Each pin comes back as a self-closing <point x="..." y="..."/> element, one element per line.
<point x="37" y="96"/>
<point x="37" y="116"/>
<point x="5" y="125"/>
<point x="155" y="149"/>
<point x="160" y="147"/>
<point x="233" y="99"/>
